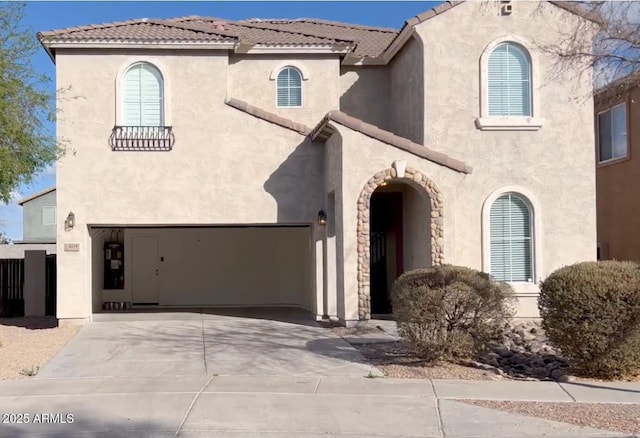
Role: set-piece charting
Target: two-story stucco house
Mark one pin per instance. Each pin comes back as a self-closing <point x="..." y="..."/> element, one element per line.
<point x="308" y="163"/>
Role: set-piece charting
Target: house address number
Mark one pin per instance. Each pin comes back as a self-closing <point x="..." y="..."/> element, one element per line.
<point x="72" y="247"/>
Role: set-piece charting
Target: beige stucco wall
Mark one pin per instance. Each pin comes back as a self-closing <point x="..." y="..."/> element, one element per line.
<point x="226" y="167"/>
<point x="407" y="79"/>
<point x="248" y="80"/>
<point x="16" y="250"/>
<point x="334" y="231"/>
<point x="365" y="94"/>
<point x="555" y="163"/>
<point x="415" y="223"/>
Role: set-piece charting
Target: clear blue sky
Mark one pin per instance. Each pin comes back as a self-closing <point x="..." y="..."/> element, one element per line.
<point x="42" y="16"/>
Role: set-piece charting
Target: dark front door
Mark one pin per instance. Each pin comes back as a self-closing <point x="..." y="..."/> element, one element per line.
<point x="385" y="248"/>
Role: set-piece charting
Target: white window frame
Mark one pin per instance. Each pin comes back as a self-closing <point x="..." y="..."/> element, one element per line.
<point x="509" y="123"/>
<point x="48" y="207"/>
<point x="166" y="84"/>
<point x="288" y="66"/>
<point x="536" y="236"/>
<point x="626" y="129"/>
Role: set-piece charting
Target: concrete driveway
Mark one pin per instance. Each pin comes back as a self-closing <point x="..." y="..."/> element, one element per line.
<point x="261" y="342"/>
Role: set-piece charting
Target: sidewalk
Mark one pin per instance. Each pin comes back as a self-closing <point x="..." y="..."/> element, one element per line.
<point x="299" y="406"/>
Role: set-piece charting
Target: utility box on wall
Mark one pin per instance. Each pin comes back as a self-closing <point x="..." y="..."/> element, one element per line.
<point x="113" y="265"/>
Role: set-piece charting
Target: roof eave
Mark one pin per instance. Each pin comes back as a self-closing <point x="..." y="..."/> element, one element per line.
<point x="260" y="49"/>
<point x="398" y="43"/>
<point x="61" y="44"/>
<point x="353" y="59"/>
<point x="36" y="195"/>
<point x="46" y="47"/>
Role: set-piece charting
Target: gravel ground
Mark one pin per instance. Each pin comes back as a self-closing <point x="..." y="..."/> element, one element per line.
<point x="395" y="359"/>
<point x="623" y="418"/>
<point x="27" y="344"/>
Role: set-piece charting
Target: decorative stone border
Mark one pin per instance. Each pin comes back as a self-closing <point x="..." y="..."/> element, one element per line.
<point x="412" y="177"/>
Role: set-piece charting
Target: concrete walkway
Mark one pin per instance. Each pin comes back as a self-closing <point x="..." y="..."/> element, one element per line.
<point x="290" y="406"/>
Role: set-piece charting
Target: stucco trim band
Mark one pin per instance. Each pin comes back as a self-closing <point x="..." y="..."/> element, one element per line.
<point x="324" y="131"/>
<point x="436" y="227"/>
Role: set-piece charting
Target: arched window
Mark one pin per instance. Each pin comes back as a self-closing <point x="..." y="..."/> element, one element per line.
<point x="143" y="96"/>
<point x="511" y="240"/>
<point x="289" y="88"/>
<point x="509" y="81"/>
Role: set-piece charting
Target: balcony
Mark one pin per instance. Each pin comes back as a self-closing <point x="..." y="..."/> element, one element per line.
<point x="142" y="138"/>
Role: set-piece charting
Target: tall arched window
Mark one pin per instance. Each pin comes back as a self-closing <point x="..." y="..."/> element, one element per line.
<point x="143" y="96"/>
<point x="511" y="238"/>
<point x="509" y="81"/>
<point x="289" y="88"/>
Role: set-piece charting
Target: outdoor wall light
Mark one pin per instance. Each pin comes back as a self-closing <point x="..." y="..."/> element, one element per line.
<point x="70" y="222"/>
<point x="322" y="218"/>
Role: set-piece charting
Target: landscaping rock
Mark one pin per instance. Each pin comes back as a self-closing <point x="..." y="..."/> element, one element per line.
<point x="525" y="354"/>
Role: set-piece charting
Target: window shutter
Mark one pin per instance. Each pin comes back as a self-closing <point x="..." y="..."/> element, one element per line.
<point x="289" y="88"/>
<point x="151" y="96"/>
<point x="509" y="82"/>
<point x="131" y="92"/>
<point x="511" y="239"/>
<point x="143" y="97"/>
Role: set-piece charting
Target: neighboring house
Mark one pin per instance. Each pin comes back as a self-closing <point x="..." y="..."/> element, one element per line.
<point x="308" y="163"/>
<point x="38" y="226"/>
<point x="618" y="171"/>
<point x="39" y="217"/>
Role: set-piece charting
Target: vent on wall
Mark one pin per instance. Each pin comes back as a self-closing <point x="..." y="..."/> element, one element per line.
<point x="506" y="8"/>
<point x="603" y="251"/>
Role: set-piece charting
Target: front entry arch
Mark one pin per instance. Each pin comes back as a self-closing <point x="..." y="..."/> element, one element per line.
<point x="417" y="180"/>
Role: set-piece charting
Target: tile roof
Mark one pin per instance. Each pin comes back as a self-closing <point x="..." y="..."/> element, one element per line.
<point x="268" y="116"/>
<point x="132" y="30"/>
<point x="370" y="41"/>
<point x="366" y="41"/>
<point x="323" y="131"/>
<point x="195" y="28"/>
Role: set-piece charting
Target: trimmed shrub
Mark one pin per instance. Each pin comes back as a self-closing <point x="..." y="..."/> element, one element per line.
<point x="450" y="312"/>
<point x="591" y="312"/>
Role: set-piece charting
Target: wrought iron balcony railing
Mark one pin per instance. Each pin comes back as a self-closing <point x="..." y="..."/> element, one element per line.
<point x="141" y="138"/>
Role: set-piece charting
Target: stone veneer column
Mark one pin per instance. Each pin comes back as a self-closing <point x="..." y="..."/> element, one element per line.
<point x="413" y="178"/>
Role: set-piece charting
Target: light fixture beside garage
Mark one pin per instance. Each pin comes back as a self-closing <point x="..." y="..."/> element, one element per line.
<point x="322" y="218"/>
<point x="70" y="221"/>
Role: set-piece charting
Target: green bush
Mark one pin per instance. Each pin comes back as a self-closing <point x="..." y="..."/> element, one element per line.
<point x="591" y="312"/>
<point x="450" y="312"/>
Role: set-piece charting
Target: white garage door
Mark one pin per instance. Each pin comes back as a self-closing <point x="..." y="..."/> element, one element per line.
<point x="222" y="266"/>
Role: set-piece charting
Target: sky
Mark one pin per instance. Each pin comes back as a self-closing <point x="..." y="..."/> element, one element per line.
<point x="42" y="16"/>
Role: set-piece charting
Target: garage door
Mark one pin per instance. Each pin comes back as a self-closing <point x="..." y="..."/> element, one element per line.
<point x="221" y="266"/>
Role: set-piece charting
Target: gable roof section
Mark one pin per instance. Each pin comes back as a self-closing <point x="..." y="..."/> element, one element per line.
<point x="407" y="29"/>
<point x="323" y="130"/>
<point x="37" y="195"/>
